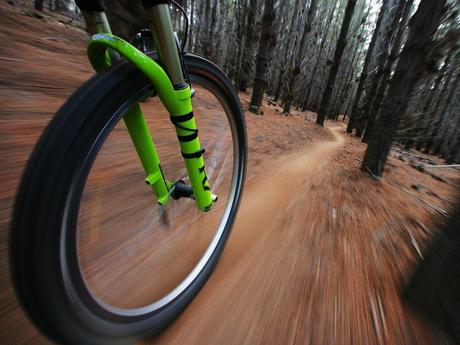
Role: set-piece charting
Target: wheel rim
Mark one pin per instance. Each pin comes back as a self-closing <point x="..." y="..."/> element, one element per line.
<point x="82" y="285"/>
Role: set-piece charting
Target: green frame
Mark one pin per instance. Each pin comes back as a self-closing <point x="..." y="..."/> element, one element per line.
<point x="179" y="105"/>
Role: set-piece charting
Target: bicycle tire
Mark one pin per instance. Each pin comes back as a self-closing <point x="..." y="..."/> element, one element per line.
<point x="41" y="267"/>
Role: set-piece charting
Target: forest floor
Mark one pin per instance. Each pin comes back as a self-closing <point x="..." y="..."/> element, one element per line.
<point x="320" y="250"/>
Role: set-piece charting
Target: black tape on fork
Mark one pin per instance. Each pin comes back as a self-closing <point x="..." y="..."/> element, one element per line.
<point x="177" y="120"/>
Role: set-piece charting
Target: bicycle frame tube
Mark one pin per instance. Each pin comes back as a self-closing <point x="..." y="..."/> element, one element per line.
<point x="177" y="102"/>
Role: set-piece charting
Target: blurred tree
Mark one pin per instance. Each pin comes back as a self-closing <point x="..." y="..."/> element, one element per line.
<point x="409" y="69"/>
<point x="286" y="50"/>
<point x="267" y="41"/>
<point x="370" y="108"/>
<point x="319" y="55"/>
<point x="296" y="58"/>
<point x="341" y="43"/>
<point x="356" y="115"/>
<point x="248" y="53"/>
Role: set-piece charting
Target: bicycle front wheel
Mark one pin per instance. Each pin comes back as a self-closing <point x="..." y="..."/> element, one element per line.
<point x="94" y="258"/>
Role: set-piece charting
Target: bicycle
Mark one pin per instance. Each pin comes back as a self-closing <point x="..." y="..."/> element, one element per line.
<point x="83" y="181"/>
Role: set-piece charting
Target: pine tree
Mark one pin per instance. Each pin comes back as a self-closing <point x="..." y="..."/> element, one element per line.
<point x="341" y="44"/>
<point x="409" y="69"/>
<point x="267" y="41"/>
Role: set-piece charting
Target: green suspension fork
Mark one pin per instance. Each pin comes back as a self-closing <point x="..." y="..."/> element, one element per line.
<point x="104" y="47"/>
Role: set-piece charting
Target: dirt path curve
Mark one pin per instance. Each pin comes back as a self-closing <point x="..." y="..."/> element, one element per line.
<point x="257" y="293"/>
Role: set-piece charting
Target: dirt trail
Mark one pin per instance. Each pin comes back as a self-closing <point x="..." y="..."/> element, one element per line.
<point x="258" y="280"/>
<point x="306" y="266"/>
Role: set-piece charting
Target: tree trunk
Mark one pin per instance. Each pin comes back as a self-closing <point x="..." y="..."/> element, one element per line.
<point x="454" y="149"/>
<point x="306" y="101"/>
<point x="355" y="110"/>
<point x="378" y="88"/>
<point x="427" y="109"/>
<point x="280" y="29"/>
<point x="248" y="55"/>
<point x="242" y="41"/>
<point x="344" y="88"/>
<point x="199" y="26"/>
<point x="231" y="58"/>
<point x="441" y="139"/>
<point x="410" y="67"/>
<point x="205" y="29"/>
<point x="287" y="49"/>
<point x="297" y="60"/>
<point x="265" y="44"/>
<point x="442" y="114"/>
<point x="343" y="94"/>
<point x="341" y="44"/>
<point x="221" y="31"/>
<point x="212" y="25"/>
<point x="396" y="48"/>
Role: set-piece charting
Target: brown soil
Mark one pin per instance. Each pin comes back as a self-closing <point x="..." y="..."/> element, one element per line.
<point x="319" y="252"/>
